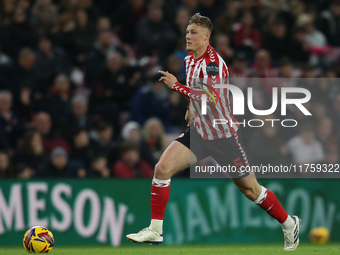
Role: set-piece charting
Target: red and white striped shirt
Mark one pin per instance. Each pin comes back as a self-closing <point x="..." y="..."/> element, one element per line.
<point x="203" y="74"/>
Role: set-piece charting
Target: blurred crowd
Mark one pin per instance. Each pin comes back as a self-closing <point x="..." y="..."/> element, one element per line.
<point x="79" y="89"/>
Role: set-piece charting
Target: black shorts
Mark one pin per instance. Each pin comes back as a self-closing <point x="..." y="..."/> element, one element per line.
<point x="228" y="152"/>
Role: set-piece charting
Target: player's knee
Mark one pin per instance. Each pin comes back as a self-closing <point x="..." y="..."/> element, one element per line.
<point x="250" y="193"/>
<point x="162" y="171"/>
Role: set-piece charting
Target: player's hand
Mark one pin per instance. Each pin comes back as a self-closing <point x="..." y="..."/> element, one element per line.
<point x="168" y="78"/>
<point x="189" y="117"/>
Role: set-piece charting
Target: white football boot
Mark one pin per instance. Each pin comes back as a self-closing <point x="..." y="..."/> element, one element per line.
<point x="146" y="235"/>
<point x="292" y="236"/>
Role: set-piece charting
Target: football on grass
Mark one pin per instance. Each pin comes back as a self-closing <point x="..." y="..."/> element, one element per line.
<point x="38" y="240"/>
<point x="319" y="235"/>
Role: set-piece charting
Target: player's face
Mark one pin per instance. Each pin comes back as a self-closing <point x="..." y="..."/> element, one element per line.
<point x="196" y="37"/>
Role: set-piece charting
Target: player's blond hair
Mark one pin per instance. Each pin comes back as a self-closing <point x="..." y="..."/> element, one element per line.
<point x="202" y="21"/>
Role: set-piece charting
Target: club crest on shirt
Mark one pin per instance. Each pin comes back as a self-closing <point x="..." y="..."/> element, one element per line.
<point x="212" y="69"/>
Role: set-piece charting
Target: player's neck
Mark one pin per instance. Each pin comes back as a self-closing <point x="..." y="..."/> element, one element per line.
<point x="199" y="53"/>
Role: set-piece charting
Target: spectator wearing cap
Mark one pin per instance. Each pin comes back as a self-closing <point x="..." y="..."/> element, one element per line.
<point x="51" y="138"/>
<point x="59" y="166"/>
<point x="130" y="165"/>
<point x="152" y="101"/>
<point x="12" y="126"/>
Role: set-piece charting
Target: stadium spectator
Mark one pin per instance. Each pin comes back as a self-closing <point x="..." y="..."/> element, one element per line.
<point x="21" y="171"/>
<point x="152" y="100"/>
<point x="304" y="148"/>
<point x="324" y="131"/>
<point x="62" y="35"/>
<point x="81" y="149"/>
<point x="222" y="45"/>
<point x="59" y="166"/>
<point x="5" y="167"/>
<point x="131" y="132"/>
<point x="181" y="21"/>
<point x="210" y="8"/>
<point x="98" y="167"/>
<point x="79" y="116"/>
<point x="332" y="153"/>
<point x="267" y="146"/>
<point x="224" y="23"/>
<point x="299" y="47"/>
<point x="316" y="40"/>
<point x="130" y="165"/>
<point x="32" y="153"/>
<point x="21" y="72"/>
<point x="238" y="71"/>
<point x="329" y="23"/>
<point x="247" y="37"/>
<point x="174" y="65"/>
<point x="127" y="17"/>
<point x="4" y="59"/>
<point x="13" y="127"/>
<point x="154" y="135"/>
<point x="17" y="35"/>
<point x="83" y="34"/>
<point x="104" y="143"/>
<point x="24" y="105"/>
<point x="51" y="138"/>
<point x="117" y="83"/>
<point x="263" y="64"/>
<point x="154" y="35"/>
<point x="57" y="103"/>
<point x="45" y="14"/>
<point x="50" y="62"/>
<point x="276" y="41"/>
<point x="96" y="58"/>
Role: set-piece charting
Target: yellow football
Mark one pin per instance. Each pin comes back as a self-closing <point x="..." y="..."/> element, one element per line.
<point x="319" y="235"/>
<point x="38" y="240"/>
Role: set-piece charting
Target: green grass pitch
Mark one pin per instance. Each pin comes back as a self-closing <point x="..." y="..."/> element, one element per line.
<point x="258" y="249"/>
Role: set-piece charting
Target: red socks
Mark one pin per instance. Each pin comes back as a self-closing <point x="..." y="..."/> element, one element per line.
<point x="268" y="202"/>
<point x="160" y="193"/>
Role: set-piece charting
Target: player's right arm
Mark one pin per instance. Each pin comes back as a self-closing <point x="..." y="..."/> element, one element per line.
<point x="171" y="81"/>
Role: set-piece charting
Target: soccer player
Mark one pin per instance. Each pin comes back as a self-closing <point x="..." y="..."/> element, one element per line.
<point x="222" y="142"/>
